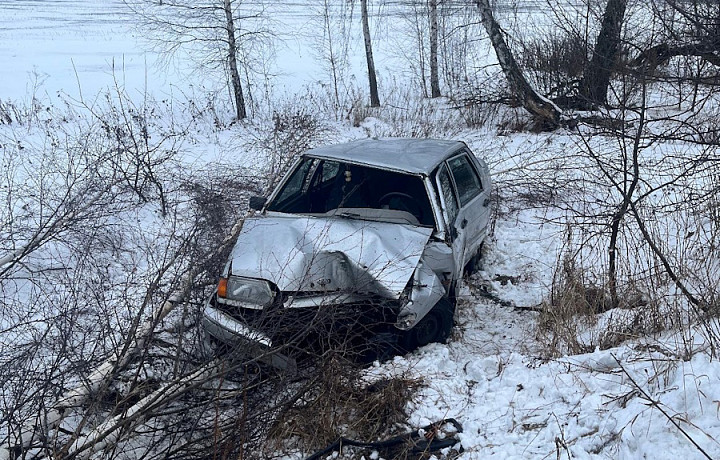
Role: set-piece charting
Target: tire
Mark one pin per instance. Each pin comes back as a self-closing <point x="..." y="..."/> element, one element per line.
<point x="475" y="262"/>
<point x="433" y="327"/>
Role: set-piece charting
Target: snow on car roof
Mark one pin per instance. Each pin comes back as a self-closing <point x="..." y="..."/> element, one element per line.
<point x="416" y="156"/>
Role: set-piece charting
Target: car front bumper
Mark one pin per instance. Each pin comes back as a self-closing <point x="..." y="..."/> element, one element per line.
<point x="251" y="343"/>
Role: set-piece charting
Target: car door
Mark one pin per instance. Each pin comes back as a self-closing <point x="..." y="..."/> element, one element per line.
<point x="451" y="214"/>
<point x="474" y="212"/>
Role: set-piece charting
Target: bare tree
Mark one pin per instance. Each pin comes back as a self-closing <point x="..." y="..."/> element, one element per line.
<point x="232" y="52"/>
<point x="641" y="197"/>
<point x="422" y="33"/>
<point x="689" y="34"/>
<point x="546" y="113"/>
<point x="411" y="44"/>
<point x="218" y="34"/>
<point x="595" y="82"/>
<point x="374" y="97"/>
<point x="434" y="75"/>
<point x="331" y="45"/>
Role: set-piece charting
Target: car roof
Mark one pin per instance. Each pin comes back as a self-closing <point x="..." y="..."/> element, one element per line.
<point x="415" y="156"/>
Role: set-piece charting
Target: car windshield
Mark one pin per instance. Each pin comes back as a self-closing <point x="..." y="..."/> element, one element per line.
<point x="326" y="187"/>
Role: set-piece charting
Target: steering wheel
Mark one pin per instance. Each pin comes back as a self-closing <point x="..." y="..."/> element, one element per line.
<point x="402" y="202"/>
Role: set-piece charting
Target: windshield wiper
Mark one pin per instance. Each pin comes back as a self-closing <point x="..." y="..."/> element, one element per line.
<point x="351" y="215"/>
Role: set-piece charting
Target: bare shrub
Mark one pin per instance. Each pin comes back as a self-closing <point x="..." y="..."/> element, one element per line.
<point x="339" y="401"/>
<point x="486" y="101"/>
<point x="477" y="114"/>
<point x="219" y="199"/>
<point x="291" y="132"/>
<point x="406" y="114"/>
<point x="570" y="310"/>
<point x="555" y="62"/>
<point x="9" y="113"/>
<point x="580" y="315"/>
<point x="138" y="156"/>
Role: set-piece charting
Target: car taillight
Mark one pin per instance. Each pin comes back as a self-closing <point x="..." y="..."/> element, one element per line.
<point x="222" y="287"/>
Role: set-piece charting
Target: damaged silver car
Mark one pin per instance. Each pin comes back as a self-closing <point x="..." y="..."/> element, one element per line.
<point x="360" y="243"/>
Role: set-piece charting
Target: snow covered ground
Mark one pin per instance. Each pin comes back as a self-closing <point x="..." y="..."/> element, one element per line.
<point x="654" y="395"/>
<point x="637" y="400"/>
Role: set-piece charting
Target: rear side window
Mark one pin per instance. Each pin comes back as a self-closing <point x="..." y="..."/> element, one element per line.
<point x="466" y="178"/>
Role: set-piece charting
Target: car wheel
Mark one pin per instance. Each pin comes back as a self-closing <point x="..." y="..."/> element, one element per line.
<point x="475" y="262"/>
<point x="433" y="327"/>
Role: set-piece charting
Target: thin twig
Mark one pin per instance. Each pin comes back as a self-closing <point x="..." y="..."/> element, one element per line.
<point x="657" y="405"/>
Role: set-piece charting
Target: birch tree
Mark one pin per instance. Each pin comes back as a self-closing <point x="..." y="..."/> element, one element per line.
<point x="232" y="52"/>
<point x="546" y="113"/>
<point x="434" y="77"/>
<point x="216" y="34"/>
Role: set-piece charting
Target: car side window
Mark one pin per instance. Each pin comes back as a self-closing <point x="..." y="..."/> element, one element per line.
<point x="323" y="174"/>
<point x="329" y="171"/>
<point x="466" y="178"/>
<point x="448" y="194"/>
<point x="294" y="186"/>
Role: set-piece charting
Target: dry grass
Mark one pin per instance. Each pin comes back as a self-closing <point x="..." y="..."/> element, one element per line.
<point x="579" y="316"/>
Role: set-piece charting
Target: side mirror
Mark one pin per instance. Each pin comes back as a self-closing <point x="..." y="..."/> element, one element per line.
<point x="486" y="203"/>
<point x="257" y="202"/>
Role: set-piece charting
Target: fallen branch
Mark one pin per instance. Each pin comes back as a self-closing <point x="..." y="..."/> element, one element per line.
<point x="421" y="443"/>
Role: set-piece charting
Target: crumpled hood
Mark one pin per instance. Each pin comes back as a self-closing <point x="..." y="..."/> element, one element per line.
<point x="303" y="253"/>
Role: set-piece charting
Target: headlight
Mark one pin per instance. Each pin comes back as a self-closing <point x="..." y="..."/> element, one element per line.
<point x="246" y="290"/>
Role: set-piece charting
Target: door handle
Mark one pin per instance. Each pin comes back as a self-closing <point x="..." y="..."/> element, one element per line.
<point x="463" y="224"/>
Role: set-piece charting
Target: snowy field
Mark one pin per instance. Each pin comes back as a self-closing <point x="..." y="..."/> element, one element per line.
<point x="67" y="45"/>
<point x="653" y="394"/>
<point x="51" y="46"/>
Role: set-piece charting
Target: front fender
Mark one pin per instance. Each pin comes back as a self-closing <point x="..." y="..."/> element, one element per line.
<point x="425" y="290"/>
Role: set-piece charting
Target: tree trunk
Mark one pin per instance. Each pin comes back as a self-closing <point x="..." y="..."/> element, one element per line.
<point x="232" y="62"/>
<point x="547" y="114"/>
<point x="374" y="98"/>
<point x="617" y="219"/>
<point x="434" y="78"/>
<point x="595" y="82"/>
